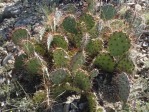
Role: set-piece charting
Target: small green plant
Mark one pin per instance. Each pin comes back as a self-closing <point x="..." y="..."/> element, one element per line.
<point x="72" y="55"/>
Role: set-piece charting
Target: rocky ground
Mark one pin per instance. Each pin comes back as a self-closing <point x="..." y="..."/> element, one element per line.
<point x="17" y="13"/>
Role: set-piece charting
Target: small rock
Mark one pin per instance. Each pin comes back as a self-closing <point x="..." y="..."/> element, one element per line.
<point x="12" y="11"/>
<point x="82" y="105"/>
<point x="57" y="108"/>
<point x="66" y="107"/>
<point x="73" y="110"/>
<point x="144" y="44"/>
<point x="73" y="105"/>
<point x="136" y="76"/>
<point x="10" y="61"/>
<point x="2" y="5"/>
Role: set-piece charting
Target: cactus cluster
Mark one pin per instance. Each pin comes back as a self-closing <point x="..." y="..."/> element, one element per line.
<point x="71" y="63"/>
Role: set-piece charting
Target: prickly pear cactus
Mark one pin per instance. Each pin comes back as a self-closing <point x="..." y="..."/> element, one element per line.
<point x="70" y="25"/>
<point x="107" y="12"/>
<point x="57" y="90"/>
<point x="60" y="41"/>
<point x="77" y="61"/>
<point x="40" y="49"/>
<point x="104" y="61"/>
<point x="19" y="34"/>
<point x="87" y="22"/>
<point x="93" y="47"/>
<point x="28" y="47"/>
<point x="33" y="66"/>
<point x="92" y="103"/>
<point x="119" y="43"/>
<point x="60" y="57"/>
<point x="123" y="86"/>
<point x="94" y="32"/>
<point x="59" y="75"/>
<point x="76" y="40"/>
<point x="39" y="96"/>
<point x="125" y="65"/>
<point x="19" y="62"/>
<point x="82" y="76"/>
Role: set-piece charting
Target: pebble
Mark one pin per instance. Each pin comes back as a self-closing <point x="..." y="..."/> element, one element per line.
<point x="145" y="44"/>
<point x="2" y="5"/>
<point x="73" y="105"/>
<point x="10" y="61"/>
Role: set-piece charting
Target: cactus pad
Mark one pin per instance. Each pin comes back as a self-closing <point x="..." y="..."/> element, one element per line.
<point x="123" y="86"/>
<point x="19" y="61"/>
<point x="69" y="24"/>
<point x="33" y="66"/>
<point x="27" y="47"/>
<point x="59" y="75"/>
<point x="77" y="39"/>
<point x="92" y="102"/>
<point x="78" y="60"/>
<point x="39" y="96"/>
<point x="81" y="80"/>
<point x="105" y="62"/>
<point x="94" y="32"/>
<point x="87" y="22"/>
<point x="57" y="90"/>
<point x="118" y="44"/>
<point x="125" y="65"/>
<point x="40" y="49"/>
<point x="60" y="57"/>
<point x="93" y="47"/>
<point x="60" y="41"/>
<point x="107" y="12"/>
<point x="19" y="34"/>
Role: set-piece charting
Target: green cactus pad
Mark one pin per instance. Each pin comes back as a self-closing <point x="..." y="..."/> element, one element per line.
<point x="60" y="57"/>
<point x="19" y="61"/>
<point x="58" y="90"/>
<point x="93" y="47"/>
<point x="33" y="66"/>
<point x="77" y="60"/>
<point x="60" y="41"/>
<point x="77" y="39"/>
<point x="92" y="102"/>
<point x="59" y="75"/>
<point x="69" y="24"/>
<point x="125" y="65"/>
<point x="19" y="34"/>
<point x="27" y="47"/>
<point x="105" y="62"/>
<point x="119" y="43"/>
<point x="39" y="96"/>
<point x="107" y="12"/>
<point x="94" y="33"/>
<point x="40" y="49"/>
<point x="123" y="86"/>
<point x="94" y="73"/>
<point x="87" y="22"/>
<point x="81" y="80"/>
